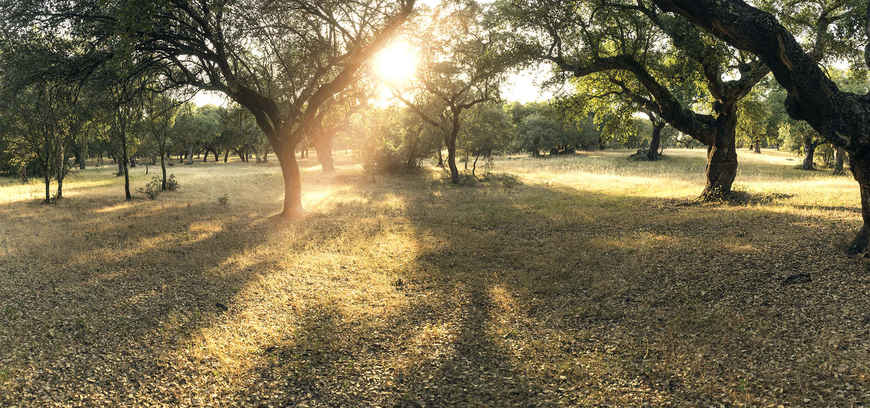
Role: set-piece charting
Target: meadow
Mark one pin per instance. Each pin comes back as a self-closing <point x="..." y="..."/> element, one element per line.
<point x="588" y="280"/>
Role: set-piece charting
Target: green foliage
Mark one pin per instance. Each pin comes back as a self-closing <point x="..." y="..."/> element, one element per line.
<point x="152" y="189"/>
<point x="545" y="128"/>
<point x="396" y="140"/>
<point x="487" y="131"/>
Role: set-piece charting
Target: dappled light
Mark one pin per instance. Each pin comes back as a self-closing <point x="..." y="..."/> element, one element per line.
<point x="434" y="203"/>
<point x="388" y="293"/>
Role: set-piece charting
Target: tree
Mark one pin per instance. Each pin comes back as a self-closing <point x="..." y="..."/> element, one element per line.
<point x="550" y="127"/>
<point x="840" y="117"/>
<point x="613" y="98"/>
<point x="487" y="132"/>
<point x="598" y="36"/>
<point x="394" y="139"/>
<point x="463" y="64"/>
<point x="43" y="78"/>
<point x="253" y="51"/>
<point x="124" y="94"/>
<point x="160" y="114"/>
<point x="340" y="110"/>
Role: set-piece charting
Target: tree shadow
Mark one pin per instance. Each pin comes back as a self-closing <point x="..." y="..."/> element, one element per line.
<point x="520" y="295"/>
<point x="96" y="301"/>
<point x="539" y="296"/>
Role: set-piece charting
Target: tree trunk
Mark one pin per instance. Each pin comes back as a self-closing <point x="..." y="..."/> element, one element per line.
<point x="83" y="153"/>
<point x="722" y="156"/>
<point x="190" y="154"/>
<point x="292" y="182"/>
<point x="440" y="158"/>
<point x="810" y="153"/>
<point x="61" y="167"/>
<point x="323" y="147"/>
<point x="124" y="160"/>
<point x="757" y="147"/>
<point x="47" y="179"/>
<point x="226" y="155"/>
<point x="205" y="156"/>
<point x="861" y="172"/>
<point x="60" y="174"/>
<point x="163" y="170"/>
<point x="839" y="158"/>
<point x="451" y="151"/>
<point x="216" y="154"/>
<point x="655" y="142"/>
<point x="120" y="169"/>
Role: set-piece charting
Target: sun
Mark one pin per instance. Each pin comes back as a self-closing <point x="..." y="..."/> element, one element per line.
<point x="397" y="63"/>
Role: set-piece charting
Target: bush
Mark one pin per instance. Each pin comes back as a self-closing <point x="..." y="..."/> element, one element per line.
<point x="152" y="189"/>
<point x="383" y="158"/>
<point x="171" y="183"/>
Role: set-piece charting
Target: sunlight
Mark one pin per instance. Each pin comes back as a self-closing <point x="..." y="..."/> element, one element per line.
<point x="397" y="63"/>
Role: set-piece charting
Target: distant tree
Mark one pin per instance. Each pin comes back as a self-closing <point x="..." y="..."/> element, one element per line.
<point x="488" y="131"/>
<point x="160" y="114"/>
<point x="546" y="127"/>
<point x="394" y="139"/>
<point x="43" y="80"/>
<point x="463" y="64"/>
<point x="124" y="93"/>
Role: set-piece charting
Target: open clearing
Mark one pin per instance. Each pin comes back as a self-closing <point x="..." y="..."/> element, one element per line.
<point x="593" y="282"/>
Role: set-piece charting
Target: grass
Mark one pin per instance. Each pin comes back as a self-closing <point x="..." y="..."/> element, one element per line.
<point x="594" y="282"/>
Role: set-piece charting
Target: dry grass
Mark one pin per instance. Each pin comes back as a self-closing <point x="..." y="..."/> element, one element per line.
<point x="590" y="284"/>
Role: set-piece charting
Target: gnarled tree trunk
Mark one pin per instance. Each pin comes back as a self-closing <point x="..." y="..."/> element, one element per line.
<point x="861" y="171"/>
<point x="656" y="141"/>
<point x="292" y="181"/>
<point x="839" y="158"/>
<point x="809" y="154"/>
<point x="722" y="155"/>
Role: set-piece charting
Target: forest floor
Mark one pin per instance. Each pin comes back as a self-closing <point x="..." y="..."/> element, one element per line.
<point x="579" y="281"/>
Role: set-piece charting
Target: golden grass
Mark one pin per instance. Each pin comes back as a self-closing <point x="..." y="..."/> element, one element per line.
<point x="594" y="282"/>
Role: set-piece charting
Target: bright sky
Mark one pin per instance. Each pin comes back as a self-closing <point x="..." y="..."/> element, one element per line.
<point x="522" y="87"/>
<point x="399" y="62"/>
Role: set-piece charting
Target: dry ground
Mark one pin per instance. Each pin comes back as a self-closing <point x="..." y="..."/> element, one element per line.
<point x="594" y="282"/>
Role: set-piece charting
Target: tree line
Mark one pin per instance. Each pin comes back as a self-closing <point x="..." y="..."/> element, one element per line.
<point x="719" y="73"/>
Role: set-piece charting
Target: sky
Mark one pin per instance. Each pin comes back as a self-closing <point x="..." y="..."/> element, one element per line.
<point x="524" y="87"/>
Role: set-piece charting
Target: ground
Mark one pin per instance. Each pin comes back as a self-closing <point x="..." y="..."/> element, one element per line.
<point x="580" y="281"/>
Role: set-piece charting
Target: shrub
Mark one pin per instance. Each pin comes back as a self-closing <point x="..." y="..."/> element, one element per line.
<point x="171" y="183"/>
<point x="152" y="188"/>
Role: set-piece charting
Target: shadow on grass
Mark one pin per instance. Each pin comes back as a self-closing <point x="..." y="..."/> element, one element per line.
<point x="515" y="296"/>
<point x="535" y="296"/>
